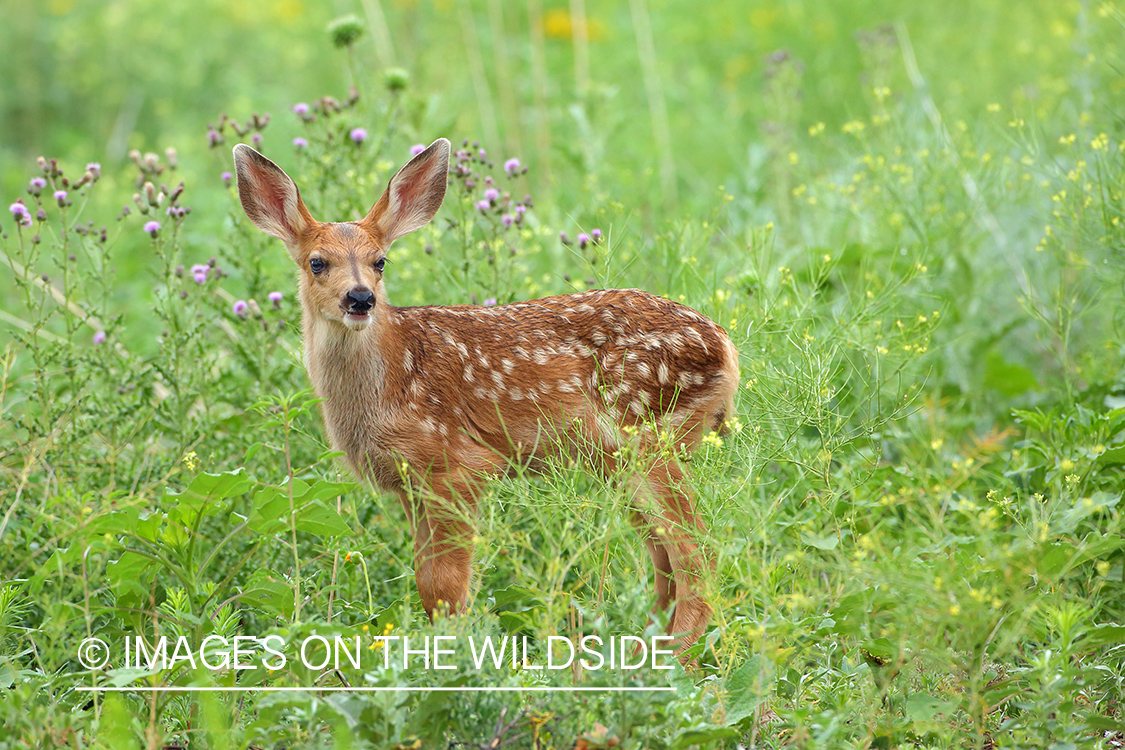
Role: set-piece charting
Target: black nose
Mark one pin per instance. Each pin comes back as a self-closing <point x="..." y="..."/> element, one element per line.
<point x="361" y="299"/>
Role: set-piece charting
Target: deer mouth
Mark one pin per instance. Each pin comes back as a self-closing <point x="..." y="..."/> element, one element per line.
<point x="357" y="320"/>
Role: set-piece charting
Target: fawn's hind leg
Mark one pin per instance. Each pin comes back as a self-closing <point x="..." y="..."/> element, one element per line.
<point x="664" y="584"/>
<point x="678" y="529"/>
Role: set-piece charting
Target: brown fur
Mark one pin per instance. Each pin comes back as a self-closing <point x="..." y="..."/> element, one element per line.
<point x="428" y="402"/>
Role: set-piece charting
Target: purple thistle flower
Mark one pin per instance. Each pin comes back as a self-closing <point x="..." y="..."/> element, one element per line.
<point x="226" y="178"/>
<point x="300" y="142"/>
<point x="483" y="206"/>
<point x="491" y="194"/>
<point x="583" y="239"/>
<point x="240" y="308"/>
<point x="37" y="184"/>
<point x="512" y="166"/>
<point x="214" y="138"/>
<point x="60" y="196"/>
<point x="301" y="109"/>
<point x="275" y="298"/>
<point x="153" y="228"/>
<point x="18" y="209"/>
<point x="200" y="268"/>
<point x="199" y="278"/>
<point x="256" y="140"/>
<point x="507" y="220"/>
<point x="521" y="209"/>
<point x="99" y="337"/>
<point x="358" y="135"/>
<point x="95" y="169"/>
<point x="596" y="235"/>
<point x="490" y="302"/>
<point x="417" y="148"/>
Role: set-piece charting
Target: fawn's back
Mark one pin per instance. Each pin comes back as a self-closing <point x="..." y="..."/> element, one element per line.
<point x="532" y="379"/>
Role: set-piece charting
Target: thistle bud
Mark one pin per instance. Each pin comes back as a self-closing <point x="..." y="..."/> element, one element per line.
<point x="150" y="194"/>
<point x="345" y="31"/>
<point x="142" y="205"/>
<point x="396" y="79"/>
<point x="172" y="157"/>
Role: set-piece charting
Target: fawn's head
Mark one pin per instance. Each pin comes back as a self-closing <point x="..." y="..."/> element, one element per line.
<point x="342" y="263"/>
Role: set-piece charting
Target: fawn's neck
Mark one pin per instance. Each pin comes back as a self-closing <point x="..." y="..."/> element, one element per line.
<point x="348" y="371"/>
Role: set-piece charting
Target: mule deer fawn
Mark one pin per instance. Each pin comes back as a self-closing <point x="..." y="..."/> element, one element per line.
<point x="428" y="402"/>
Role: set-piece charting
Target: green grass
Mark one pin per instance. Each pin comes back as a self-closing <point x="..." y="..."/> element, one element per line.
<point x="910" y="223"/>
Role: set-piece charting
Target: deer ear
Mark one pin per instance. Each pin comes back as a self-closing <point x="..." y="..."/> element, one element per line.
<point x="270" y="198"/>
<point x="414" y="195"/>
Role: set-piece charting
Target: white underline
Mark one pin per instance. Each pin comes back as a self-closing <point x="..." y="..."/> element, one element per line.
<point x="529" y="689"/>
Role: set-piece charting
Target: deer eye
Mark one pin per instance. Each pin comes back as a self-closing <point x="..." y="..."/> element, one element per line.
<point x="316" y="265"/>
<point x="379" y="264"/>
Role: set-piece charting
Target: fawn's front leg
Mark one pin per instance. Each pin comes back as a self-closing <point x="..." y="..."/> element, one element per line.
<point x="443" y="528"/>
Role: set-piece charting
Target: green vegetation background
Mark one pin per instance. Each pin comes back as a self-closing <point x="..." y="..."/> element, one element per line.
<point x="907" y="214"/>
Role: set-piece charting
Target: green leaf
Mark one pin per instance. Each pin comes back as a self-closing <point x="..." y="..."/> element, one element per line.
<point x="271" y="510"/>
<point x="318" y="518"/>
<point x="1062" y="558"/>
<point x="826" y="543"/>
<point x="699" y="735"/>
<point x="1007" y="377"/>
<point x="129" y="572"/>
<point x="116" y="727"/>
<point x="1112" y="457"/>
<point x="251" y="452"/>
<point x="1104" y="723"/>
<point x="1033" y="419"/>
<point x="881" y="648"/>
<point x="323" y="491"/>
<point x="427" y="717"/>
<point x="747" y="687"/>
<point x="923" y="708"/>
<point x="1101" y="635"/>
<point x="269" y="594"/>
<point x="205" y="495"/>
<point x="122" y="521"/>
<point x="1002" y="691"/>
<point x="515" y="593"/>
<point x="128" y="675"/>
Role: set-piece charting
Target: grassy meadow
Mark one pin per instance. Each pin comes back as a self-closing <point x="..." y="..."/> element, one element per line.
<point x="908" y="216"/>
